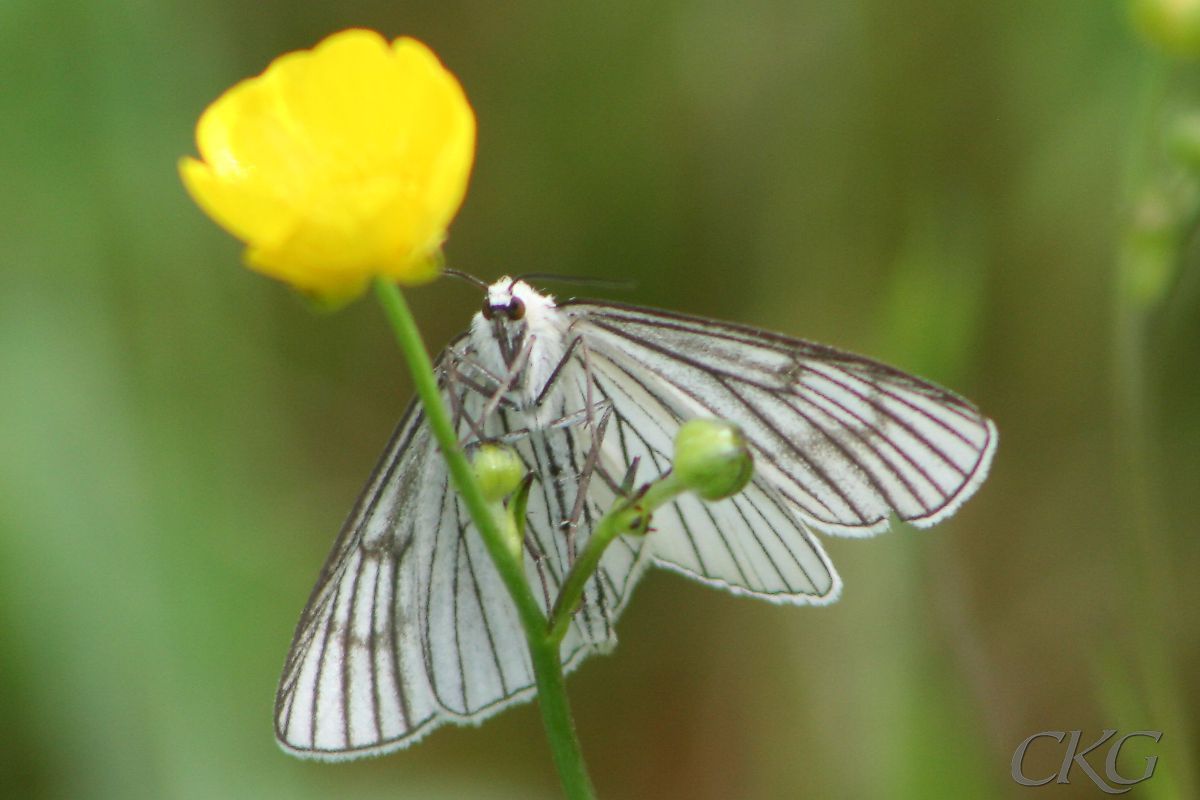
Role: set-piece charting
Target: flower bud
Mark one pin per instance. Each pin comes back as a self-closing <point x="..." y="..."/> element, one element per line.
<point x="711" y="458"/>
<point x="499" y="471"/>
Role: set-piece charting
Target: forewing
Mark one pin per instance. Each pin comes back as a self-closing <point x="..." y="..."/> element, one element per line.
<point x="409" y="625"/>
<point x="355" y="681"/>
<point x="846" y="440"/>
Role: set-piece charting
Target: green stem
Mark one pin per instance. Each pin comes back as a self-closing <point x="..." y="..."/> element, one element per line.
<point x="543" y="650"/>
<point x="556" y="718"/>
<point x="631" y="516"/>
<point x="461" y="474"/>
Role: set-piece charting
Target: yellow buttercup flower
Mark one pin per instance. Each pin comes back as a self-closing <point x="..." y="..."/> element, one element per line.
<point x="338" y="164"/>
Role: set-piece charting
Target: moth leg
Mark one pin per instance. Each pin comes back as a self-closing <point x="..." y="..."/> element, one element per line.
<point x="590" y="464"/>
<point x="506" y="385"/>
<point x="588" y="397"/>
<point x="496" y="397"/>
<point x="565" y="421"/>
<point x="624" y="487"/>
<point x="608" y="479"/>
<point x="480" y="389"/>
<point x="570" y="525"/>
<point x="457" y="401"/>
<point x="555" y="373"/>
<point x="467" y="358"/>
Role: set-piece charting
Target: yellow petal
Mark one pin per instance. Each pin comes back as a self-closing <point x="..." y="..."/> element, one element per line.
<point x="235" y="205"/>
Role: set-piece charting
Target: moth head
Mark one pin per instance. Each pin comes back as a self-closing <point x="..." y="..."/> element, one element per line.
<point x="510" y="299"/>
<point x="513" y="317"/>
<point x="508" y="306"/>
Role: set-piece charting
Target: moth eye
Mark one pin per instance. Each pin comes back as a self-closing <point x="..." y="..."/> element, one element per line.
<point x="516" y="309"/>
<point x="487" y="309"/>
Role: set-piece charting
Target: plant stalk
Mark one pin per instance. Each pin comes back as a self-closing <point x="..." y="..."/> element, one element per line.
<point x="543" y="648"/>
<point x="629" y="516"/>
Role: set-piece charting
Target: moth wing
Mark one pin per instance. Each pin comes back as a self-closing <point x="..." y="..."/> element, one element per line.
<point x="355" y="682"/>
<point x="845" y="440"/>
<point x="752" y="543"/>
<point x="409" y="625"/>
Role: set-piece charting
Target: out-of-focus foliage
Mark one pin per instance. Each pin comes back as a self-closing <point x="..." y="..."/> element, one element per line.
<point x="1173" y="25"/>
<point x="949" y="186"/>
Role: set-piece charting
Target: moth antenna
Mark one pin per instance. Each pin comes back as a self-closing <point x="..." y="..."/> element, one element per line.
<point x="469" y="278"/>
<point x="623" y="285"/>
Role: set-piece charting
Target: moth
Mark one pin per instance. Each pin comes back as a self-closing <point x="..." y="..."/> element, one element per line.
<point x="409" y="625"/>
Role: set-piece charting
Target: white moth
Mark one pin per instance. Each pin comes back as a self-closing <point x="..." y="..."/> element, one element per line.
<point x="409" y="625"/>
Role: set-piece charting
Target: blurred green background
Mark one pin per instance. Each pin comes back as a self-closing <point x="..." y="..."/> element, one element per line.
<point x="977" y="192"/>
